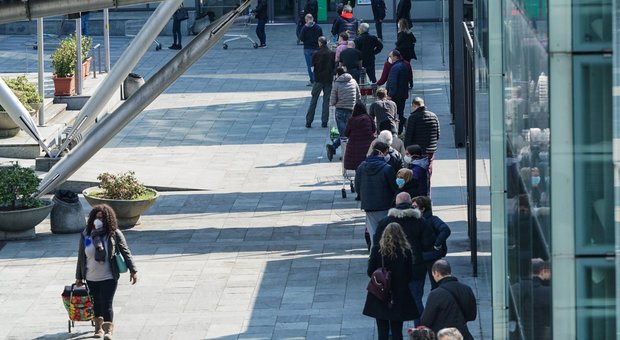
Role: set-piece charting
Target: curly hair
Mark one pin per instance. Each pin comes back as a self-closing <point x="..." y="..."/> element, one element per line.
<point x="393" y="241"/>
<point x="109" y="218"/>
<point x="421" y="333"/>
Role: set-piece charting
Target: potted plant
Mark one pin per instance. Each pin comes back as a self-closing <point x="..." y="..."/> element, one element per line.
<point x="64" y="60"/>
<point x="20" y="211"/>
<point x="86" y="59"/>
<point x="28" y="95"/>
<point x="125" y="194"/>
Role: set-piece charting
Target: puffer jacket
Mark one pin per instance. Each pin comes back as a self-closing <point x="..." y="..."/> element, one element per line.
<point x="346" y="22"/>
<point x="116" y="241"/>
<point x="345" y="92"/>
<point x="375" y="182"/>
<point x="423" y="129"/>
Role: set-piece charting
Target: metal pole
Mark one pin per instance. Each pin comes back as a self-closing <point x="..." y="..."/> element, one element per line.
<point x="106" y="39"/>
<point x="41" y="71"/>
<point x="443" y="32"/>
<point x="125" y="64"/>
<point x="78" y="63"/>
<point x="158" y="83"/>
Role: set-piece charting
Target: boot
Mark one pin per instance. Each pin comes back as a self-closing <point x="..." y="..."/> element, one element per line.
<point x="98" y="329"/>
<point x="108" y="329"/>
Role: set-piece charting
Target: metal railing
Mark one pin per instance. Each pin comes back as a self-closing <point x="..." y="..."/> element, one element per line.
<point x="97" y="60"/>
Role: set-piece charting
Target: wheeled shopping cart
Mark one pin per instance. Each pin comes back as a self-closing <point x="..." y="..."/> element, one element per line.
<point x="79" y="304"/>
<point x="240" y="33"/>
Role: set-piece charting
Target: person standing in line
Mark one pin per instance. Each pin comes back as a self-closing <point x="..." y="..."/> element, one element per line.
<point x="96" y="265"/>
<point x="351" y="60"/>
<point x="176" y="30"/>
<point x="403" y="11"/>
<point x="405" y="41"/>
<point x="345" y="93"/>
<point x="398" y="87"/>
<point x="387" y="67"/>
<point x="343" y="44"/>
<point x="394" y="252"/>
<point x="360" y="131"/>
<point x="393" y="156"/>
<point x="417" y="161"/>
<point x="383" y="111"/>
<point x="452" y="304"/>
<point x="345" y="22"/>
<point x="323" y="64"/>
<point x="369" y="45"/>
<point x="375" y="184"/>
<point x="423" y="129"/>
<point x="449" y="334"/>
<point x="309" y="35"/>
<point x="378" y="14"/>
<point x="260" y="13"/>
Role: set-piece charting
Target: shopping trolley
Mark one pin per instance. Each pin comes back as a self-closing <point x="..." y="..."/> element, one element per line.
<point x="368" y="90"/>
<point x="239" y="34"/>
<point x="79" y="304"/>
<point x="348" y="176"/>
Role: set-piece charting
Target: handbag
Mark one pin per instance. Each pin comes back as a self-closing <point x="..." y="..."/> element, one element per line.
<point x="120" y="263"/>
<point x="380" y="284"/>
<point x="181" y="14"/>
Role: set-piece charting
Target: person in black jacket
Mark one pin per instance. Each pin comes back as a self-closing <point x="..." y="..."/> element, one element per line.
<point x="351" y="60"/>
<point x="324" y="63"/>
<point x="419" y="234"/>
<point x="375" y="183"/>
<point x="452" y="304"/>
<point x="397" y="86"/>
<point x="394" y="253"/>
<point x="345" y="22"/>
<point x="403" y="11"/>
<point x="442" y="232"/>
<point x="309" y="35"/>
<point x="423" y="130"/>
<point x="369" y="45"/>
<point x="260" y="12"/>
<point x="378" y="14"/>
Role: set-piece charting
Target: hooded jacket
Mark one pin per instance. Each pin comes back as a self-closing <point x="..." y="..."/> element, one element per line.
<point x="345" y="92"/>
<point x="419" y="184"/>
<point x="375" y="182"/>
<point x="442" y="232"/>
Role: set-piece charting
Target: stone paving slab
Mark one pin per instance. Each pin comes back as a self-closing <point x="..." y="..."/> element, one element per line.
<point x="263" y="246"/>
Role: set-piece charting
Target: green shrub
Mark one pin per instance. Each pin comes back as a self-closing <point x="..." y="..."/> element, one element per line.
<point x="65" y="56"/>
<point x="26" y="92"/>
<point x="17" y="188"/>
<point x="123" y="186"/>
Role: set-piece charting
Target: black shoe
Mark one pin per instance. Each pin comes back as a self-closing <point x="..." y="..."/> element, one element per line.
<point x="330" y="151"/>
<point x="308" y="125"/>
<point x="262" y="45"/>
<point x="172" y="47"/>
<point x="324" y="125"/>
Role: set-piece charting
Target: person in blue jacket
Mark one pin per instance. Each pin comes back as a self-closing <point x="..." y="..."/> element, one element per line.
<point x="397" y="86"/>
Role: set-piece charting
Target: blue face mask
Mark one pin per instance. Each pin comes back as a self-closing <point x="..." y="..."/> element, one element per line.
<point x="535" y="181"/>
<point x="400" y="182"/>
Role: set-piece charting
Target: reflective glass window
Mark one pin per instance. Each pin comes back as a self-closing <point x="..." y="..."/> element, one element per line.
<point x="596" y="299"/>
<point x="592" y="25"/>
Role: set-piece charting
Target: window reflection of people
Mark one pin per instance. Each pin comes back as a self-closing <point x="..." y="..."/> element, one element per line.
<point x="533" y="298"/>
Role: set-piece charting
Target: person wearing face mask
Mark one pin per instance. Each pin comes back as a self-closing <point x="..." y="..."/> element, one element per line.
<point x="417" y="231"/>
<point x="397" y="87"/>
<point x="417" y="161"/>
<point x="96" y="265"/>
<point x="393" y="157"/>
<point x="404" y="182"/>
<point x="375" y="183"/>
<point x="387" y="66"/>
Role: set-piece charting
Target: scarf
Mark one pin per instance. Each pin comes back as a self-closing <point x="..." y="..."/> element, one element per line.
<point x="98" y="237"/>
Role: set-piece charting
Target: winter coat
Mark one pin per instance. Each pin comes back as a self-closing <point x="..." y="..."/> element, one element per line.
<point x="116" y="241"/>
<point x="443" y="311"/>
<point x="345" y="92"/>
<point x="405" y="44"/>
<point x="420" y="180"/>
<point x="395" y="159"/>
<point x="312" y="7"/>
<point x="442" y="232"/>
<point x="324" y="65"/>
<point x="375" y="183"/>
<point x="260" y="12"/>
<point x="384" y="111"/>
<point x="370" y="46"/>
<point x="351" y="58"/>
<point x="404" y="307"/>
<point x="403" y="10"/>
<point x="309" y="35"/>
<point x="423" y="130"/>
<point x="386" y="72"/>
<point x="346" y="22"/>
<point x="378" y="9"/>
<point x="398" y="144"/>
<point x="398" y="81"/>
<point x="360" y="130"/>
<point x="343" y="45"/>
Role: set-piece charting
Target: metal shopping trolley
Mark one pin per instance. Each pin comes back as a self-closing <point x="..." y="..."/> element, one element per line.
<point x="368" y="90"/>
<point x="240" y="33"/>
<point x="348" y="175"/>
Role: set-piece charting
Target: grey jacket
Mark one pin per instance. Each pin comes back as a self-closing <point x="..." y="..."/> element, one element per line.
<point x="345" y="92"/>
<point x="115" y="241"/>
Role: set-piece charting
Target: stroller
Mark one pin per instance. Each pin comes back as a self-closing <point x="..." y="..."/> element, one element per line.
<point x="79" y="304"/>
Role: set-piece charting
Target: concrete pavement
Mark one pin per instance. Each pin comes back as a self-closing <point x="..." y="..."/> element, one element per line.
<point x="258" y="243"/>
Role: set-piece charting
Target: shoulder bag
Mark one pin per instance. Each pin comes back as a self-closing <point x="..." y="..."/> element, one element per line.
<point x="118" y="258"/>
<point x="380" y="284"/>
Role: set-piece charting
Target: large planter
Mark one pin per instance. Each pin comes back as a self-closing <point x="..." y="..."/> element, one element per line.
<point x="8" y="128"/>
<point x="64" y="86"/>
<point x="127" y="211"/>
<point x="20" y="224"/>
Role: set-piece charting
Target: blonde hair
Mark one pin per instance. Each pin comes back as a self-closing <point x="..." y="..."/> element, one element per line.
<point x="405" y="174"/>
<point x="403" y="25"/>
<point x="393" y="241"/>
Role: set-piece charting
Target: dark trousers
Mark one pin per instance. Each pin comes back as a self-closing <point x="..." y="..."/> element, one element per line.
<point x="260" y="31"/>
<point x="379" y="26"/>
<point x="316" y="91"/>
<point x="384" y="326"/>
<point x="400" y="110"/>
<point x="176" y="32"/>
<point x="102" y="293"/>
<point x="370" y="71"/>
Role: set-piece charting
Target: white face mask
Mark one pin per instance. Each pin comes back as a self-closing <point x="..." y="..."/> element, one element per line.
<point x="408" y="159"/>
<point x="390" y="60"/>
<point x="98" y="224"/>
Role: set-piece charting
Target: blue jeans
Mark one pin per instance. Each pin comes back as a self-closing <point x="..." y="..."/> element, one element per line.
<point x="308" y="55"/>
<point x="417" y="291"/>
<point x="342" y="116"/>
<point x="260" y="31"/>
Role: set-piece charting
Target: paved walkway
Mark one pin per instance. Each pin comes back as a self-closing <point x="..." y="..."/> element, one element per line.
<point x="258" y="244"/>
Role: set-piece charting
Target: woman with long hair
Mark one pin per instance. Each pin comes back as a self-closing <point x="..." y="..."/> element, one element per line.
<point x="96" y="265"/>
<point x="394" y="253"/>
<point x="405" y="41"/>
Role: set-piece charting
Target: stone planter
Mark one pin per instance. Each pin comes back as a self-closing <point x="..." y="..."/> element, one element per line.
<point x="64" y="86"/>
<point x="8" y="128"/>
<point x="127" y="211"/>
<point x="20" y="224"/>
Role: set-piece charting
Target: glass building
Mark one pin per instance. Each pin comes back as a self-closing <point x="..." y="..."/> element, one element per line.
<point x="548" y="118"/>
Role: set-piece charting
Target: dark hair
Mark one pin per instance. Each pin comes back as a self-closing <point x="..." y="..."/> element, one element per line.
<point x="442" y="267"/>
<point x="423" y="202"/>
<point x="322" y="41"/>
<point x="422" y="333"/>
<point x="396" y="53"/>
<point x="381" y="93"/>
<point x="340" y="71"/>
<point x="344" y="35"/>
<point x="381" y="147"/>
<point x="359" y="109"/>
<point x="538" y="265"/>
<point x="414" y="149"/>
<point x="109" y="218"/>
